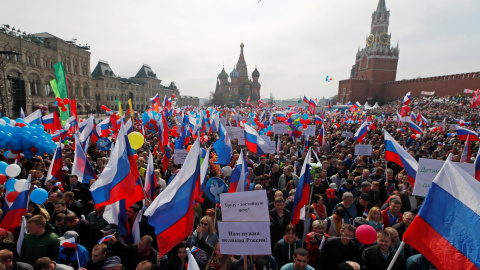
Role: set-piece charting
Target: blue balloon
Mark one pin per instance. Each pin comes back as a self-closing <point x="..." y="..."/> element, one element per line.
<point x="10" y="184"/>
<point x="305" y="116"/>
<point x="269" y="128"/>
<point x="39" y="196"/>
<point x="294" y="116"/>
<point x="6" y="154"/>
<point x="7" y="120"/>
<point x="449" y="134"/>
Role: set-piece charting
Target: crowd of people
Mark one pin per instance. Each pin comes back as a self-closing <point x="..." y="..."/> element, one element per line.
<point x="347" y="191"/>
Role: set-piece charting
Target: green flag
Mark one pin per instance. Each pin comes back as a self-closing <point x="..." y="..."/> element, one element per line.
<point x="62" y="88"/>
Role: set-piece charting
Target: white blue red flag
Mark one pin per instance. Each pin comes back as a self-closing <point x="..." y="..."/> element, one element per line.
<point x="394" y="152"/>
<point x="444" y="230"/>
<point x="302" y="195"/>
<point x="414" y="128"/>
<point x="55" y="170"/>
<point x="355" y="106"/>
<point x="172" y="213"/>
<point x="463" y="133"/>
<point x="119" y="178"/>
<point x="239" y="175"/>
<point x="253" y="141"/>
<point x="407" y="98"/>
<point x="17" y="209"/>
<point x="150" y="179"/>
<point x="81" y="166"/>
<point x="34" y="118"/>
<point x="361" y="132"/>
<point x="466" y="153"/>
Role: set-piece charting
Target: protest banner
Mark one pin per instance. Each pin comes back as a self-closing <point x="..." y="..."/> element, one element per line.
<point x="265" y="138"/>
<point x="245" y="206"/>
<point x="179" y="156"/>
<point x="363" y="149"/>
<point x="244" y="238"/>
<point x="280" y="129"/>
<point x="428" y="169"/>
<point x="347" y="134"/>
<point x="269" y="147"/>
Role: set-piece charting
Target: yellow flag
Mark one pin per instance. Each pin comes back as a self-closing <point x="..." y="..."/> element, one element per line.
<point x="131" y="110"/>
<point x="119" y="107"/>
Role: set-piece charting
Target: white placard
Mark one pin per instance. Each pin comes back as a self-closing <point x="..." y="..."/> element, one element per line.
<point x="265" y="138"/>
<point x="240" y="136"/>
<point x="223" y="121"/>
<point x="244" y="238"/>
<point x="280" y="129"/>
<point x="347" y="134"/>
<point x="269" y="147"/>
<point x="310" y="131"/>
<point x="231" y="131"/>
<point x="363" y="149"/>
<point x="179" y="156"/>
<point x="245" y="206"/>
<point x="428" y="169"/>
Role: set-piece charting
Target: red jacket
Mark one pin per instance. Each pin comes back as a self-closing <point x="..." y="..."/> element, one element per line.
<point x="386" y="219"/>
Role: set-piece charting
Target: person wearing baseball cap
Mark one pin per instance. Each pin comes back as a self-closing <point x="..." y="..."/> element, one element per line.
<point x="363" y="204"/>
<point x="113" y="263"/>
<point x="330" y="200"/>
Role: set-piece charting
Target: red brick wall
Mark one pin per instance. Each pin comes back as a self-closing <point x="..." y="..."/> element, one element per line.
<point x="442" y="85"/>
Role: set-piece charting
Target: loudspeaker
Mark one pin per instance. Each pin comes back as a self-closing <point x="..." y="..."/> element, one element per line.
<point x="19" y="96"/>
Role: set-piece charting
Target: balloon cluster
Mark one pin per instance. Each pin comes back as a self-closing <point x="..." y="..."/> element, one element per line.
<point x="296" y="125"/>
<point x="20" y="137"/>
<point x="15" y="186"/>
<point x="262" y="129"/>
<point x="61" y="103"/>
<point x="150" y="120"/>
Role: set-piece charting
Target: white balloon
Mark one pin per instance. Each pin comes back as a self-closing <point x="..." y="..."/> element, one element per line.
<point x="2" y="122"/>
<point x="12" y="122"/>
<point x="19" y="185"/>
<point x="13" y="170"/>
<point x="418" y="136"/>
<point x="227" y="170"/>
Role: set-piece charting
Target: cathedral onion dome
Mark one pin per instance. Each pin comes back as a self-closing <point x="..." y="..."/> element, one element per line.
<point x="223" y="74"/>
<point x="234" y="74"/>
<point x="255" y="73"/>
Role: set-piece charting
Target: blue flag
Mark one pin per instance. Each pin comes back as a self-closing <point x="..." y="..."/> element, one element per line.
<point x="223" y="147"/>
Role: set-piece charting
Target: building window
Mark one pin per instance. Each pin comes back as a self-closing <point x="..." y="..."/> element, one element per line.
<point x="33" y="88"/>
<point x="29" y="59"/>
<point x="48" y="89"/>
<point x="35" y="61"/>
<point x="96" y="85"/>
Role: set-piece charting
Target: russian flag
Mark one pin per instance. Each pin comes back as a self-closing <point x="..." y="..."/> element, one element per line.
<point x="466" y="153"/>
<point x="318" y="119"/>
<point x="129" y="126"/>
<point x="34" y="118"/>
<point x="166" y="103"/>
<point x="407" y="98"/>
<point x="13" y="217"/>
<point x="463" y="133"/>
<point x="329" y="104"/>
<point x="71" y="125"/>
<point x="52" y="122"/>
<point x="253" y="141"/>
<point x="321" y="136"/>
<point x="423" y="120"/>
<point x="395" y="153"/>
<point x="413" y="116"/>
<point x="303" y="189"/>
<point x="86" y="130"/>
<point x="305" y="99"/>
<point x="119" y="177"/>
<point x="81" y="166"/>
<point x="280" y="116"/>
<point x="150" y="179"/>
<point x="55" y="171"/>
<point x="239" y="175"/>
<point x="105" y="239"/>
<point x="155" y="99"/>
<point x="102" y="127"/>
<point x="445" y="228"/>
<point x="172" y="213"/>
<point x="354" y="106"/>
<point x="57" y="135"/>
<point x="163" y="130"/>
<point x="414" y="128"/>
<point x="361" y="132"/>
<point x="69" y="243"/>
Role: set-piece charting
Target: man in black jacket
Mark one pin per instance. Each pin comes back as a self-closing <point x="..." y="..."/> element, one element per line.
<point x="379" y="257"/>
<point x="337" y="250"/>
<point x="279" y="219"/>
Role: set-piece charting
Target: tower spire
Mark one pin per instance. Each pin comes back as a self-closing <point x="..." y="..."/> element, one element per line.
<point x="381" y="7"/>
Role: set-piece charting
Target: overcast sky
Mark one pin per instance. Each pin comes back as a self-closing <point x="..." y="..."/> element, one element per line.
<point x="294" y="43"/>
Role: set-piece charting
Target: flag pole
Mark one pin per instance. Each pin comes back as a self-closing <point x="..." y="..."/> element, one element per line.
<point x="78" y="260"/>
<point x="396" y="255"/>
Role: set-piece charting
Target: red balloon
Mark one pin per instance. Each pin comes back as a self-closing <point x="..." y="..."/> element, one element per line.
<point x="413" y="136"/>
<point x="58" y="99"/>
<point x="173" y="96"/>
<point x="60" y="104"/>
<point x="12" y="196"/>
<point x="366" y="234"/>
<point x="66" y="100"/>
<point x="64" y="109"/>
<point x="305" y="126"/>
<point x="269" y="133"/>
<point x="3" y="179"/>
<point x="33" y="149"/>
<point x="307" y="121"/>
<point x="262" y="126"/>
